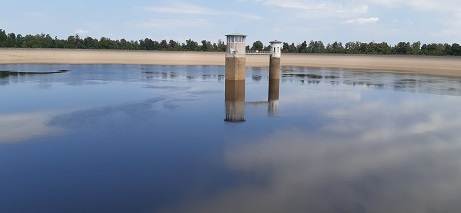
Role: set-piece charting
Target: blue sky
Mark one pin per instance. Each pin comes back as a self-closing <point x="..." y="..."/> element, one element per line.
<point x="287" y="20"/>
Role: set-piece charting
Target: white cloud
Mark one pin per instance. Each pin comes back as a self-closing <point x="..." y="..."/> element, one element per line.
<point x="314" y="8"/>
<point x="81" y="31"/>
<point x="172" y="23"/>
<point x="446" y="12"/>
<point x="190" y="9"/>
<point x="248" y="16"/>
<point x="431" y="5"/>
<point x="362" y="20"/>
<point x="182" y="8"/>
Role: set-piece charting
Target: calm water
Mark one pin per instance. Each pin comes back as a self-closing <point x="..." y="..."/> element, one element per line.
<point x="113" y="138"/>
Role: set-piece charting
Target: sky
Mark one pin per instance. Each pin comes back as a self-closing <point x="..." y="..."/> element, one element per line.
<point x="292" y="21"/>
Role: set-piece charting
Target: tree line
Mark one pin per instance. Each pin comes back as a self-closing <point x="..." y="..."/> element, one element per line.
<point x="11" y="40"/>
<point x="402" y="48"/>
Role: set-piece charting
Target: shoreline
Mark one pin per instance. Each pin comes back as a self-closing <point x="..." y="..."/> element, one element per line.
<point x="449" y="66"/>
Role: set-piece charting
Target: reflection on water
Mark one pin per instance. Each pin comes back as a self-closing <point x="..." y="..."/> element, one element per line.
<point x="398" y="82"/>
<point x="235" y="101"/>
<point x="116" y="138"/>
<point x="274" y="93"/>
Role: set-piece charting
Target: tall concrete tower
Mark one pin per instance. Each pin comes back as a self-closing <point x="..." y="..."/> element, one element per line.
<point x="236" y="57"/>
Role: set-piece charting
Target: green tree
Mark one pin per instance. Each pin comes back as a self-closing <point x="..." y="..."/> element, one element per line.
<point x="293" y="48"/>
<point x="447" y="49"/>
<point x="204" y="46"/>
<point x="380" y="48"/>
<point x="191" y="45"/>
<point x="2" y="38"/>
<point x="149" y="44"/>
<point x="221" y="46"/>
<point x="403" y="48"/>
<point x="105" y="43"/>
<point x="90" y="43"/>
<point x="416" y="48"/>
<point x="286" y="47"/>
<point x="433" y="49"/>
<point x="302" y="48"/>
<point x="257" y="45"/>
<point x="19" y="40"/>
<point x="10" y="41"/>
<point x="174" y="46"/>
<point x="456" y="49"/>
<point x="209" y="46"/>
<point x="315" y="47"/>
<point x="336" y="47"/>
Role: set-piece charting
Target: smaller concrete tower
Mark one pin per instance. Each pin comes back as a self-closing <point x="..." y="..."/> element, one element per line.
<point x="236" y="57"/>
<point x="276" y="48"/>
<point x="276" y="54"/>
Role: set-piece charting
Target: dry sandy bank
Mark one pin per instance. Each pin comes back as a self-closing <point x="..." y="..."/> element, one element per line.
<point x="443" y="66"/>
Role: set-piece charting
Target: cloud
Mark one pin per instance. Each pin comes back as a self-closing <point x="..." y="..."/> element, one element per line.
<point x="248" y="16"/>
<point x="190" y="9"/>
<point x="430" y="5"/>
<point x="172" y="23"/>
<point x="446" y="12"/>
<point x="363" y="20"/>
<point x="313" y="8"/>
<point x="183" y="8"/>
<point x="81" y="31"/>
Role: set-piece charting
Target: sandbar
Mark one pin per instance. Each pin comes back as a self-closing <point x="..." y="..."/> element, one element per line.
<point x="427" y="65"/>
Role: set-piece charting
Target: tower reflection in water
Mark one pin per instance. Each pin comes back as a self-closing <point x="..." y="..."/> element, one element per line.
<point x="274" y="91"/>
<point x="235" y="100"/>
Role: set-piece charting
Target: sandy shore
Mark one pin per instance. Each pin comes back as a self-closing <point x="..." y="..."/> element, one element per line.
<point x="442" y="66"/>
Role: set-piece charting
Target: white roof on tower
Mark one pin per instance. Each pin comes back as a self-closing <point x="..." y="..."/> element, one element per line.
<point x="236" y="34"/>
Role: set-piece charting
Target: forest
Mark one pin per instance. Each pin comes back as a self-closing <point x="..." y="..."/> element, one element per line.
<point x="12" y="40"/>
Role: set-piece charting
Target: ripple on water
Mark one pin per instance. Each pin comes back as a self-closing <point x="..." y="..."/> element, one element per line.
<point x="106" y="116"/>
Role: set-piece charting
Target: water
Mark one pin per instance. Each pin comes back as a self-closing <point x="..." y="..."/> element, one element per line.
<point x="114" y="138"/>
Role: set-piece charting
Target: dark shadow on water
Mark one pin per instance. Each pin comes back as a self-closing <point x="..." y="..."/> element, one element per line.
<point x="8" y="73"/>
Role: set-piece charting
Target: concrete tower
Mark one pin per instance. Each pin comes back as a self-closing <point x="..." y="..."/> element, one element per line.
<point x="235" y="57"/>
<point x="276" y="54"/>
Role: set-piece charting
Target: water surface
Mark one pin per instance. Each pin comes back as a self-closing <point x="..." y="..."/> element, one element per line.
<point x="116" y="138"/>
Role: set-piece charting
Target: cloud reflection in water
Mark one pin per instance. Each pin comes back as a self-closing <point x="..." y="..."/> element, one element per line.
<point x="377" y="156"/>
<point x="24" y="126"/>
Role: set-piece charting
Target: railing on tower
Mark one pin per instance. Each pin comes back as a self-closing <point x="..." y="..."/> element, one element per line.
<point x="257" y="52"/>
